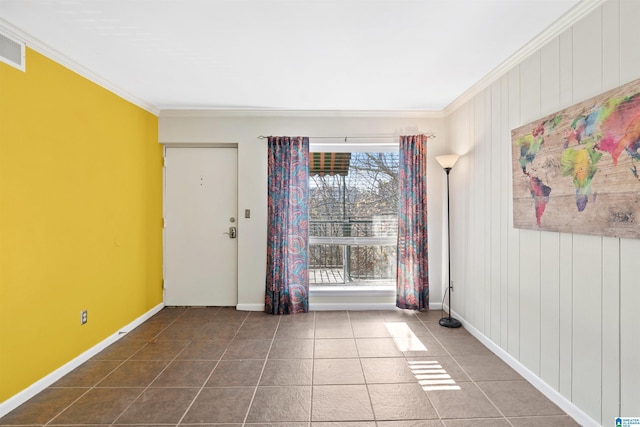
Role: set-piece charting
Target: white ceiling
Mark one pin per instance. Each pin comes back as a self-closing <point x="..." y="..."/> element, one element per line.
<point x="286" y="54"/>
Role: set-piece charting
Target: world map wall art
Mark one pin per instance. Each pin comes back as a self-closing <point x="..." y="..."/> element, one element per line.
<point x="577" y="171"/>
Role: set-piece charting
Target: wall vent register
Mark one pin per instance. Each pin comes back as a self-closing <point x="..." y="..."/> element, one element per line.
<point x="12" y="51"/>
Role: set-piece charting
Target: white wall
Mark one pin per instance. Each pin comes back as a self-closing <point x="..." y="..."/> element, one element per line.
<point x="563" y="305"/>
<point x="184" y="127"/>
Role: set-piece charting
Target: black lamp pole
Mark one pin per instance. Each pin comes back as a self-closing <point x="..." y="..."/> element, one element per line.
<point x="449" y="322"/>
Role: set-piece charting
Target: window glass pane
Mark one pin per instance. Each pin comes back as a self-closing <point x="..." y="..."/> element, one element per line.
<point x="353" y="217"/>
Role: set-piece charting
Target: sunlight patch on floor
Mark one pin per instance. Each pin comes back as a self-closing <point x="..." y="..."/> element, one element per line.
<point x="429" y="373"/>
<point x="432" y="376"/>
<point x="404" y="337"/>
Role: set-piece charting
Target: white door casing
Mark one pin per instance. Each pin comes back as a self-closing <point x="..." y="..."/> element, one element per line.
<point x="200" y="206"/>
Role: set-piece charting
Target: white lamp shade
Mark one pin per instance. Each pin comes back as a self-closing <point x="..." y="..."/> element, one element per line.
<point x="447" y="161"/>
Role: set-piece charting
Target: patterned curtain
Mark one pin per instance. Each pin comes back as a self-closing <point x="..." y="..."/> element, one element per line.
<point x="413" y="266"/>
<point x="288" y="230"/>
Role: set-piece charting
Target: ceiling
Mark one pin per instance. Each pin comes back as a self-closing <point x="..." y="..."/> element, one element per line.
<point x="387" y="55"/>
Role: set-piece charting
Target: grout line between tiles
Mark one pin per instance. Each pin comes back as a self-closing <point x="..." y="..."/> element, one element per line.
<point x="452" y="357"/>
<point x="210" y="374"/>
<point x="366" y="383"/>
<point x="351" y="317"/>
<point x="264" y="364"/>
<point x="110" y="372"/>
<point x="313" y="367"/>
<point x="440" y="344"/>
<point x="163" y="369"/>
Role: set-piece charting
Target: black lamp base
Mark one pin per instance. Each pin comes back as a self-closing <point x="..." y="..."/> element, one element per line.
<point x="450" y="322"/>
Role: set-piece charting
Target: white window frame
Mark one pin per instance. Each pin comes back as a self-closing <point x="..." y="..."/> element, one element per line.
<point x="384" y="145"/>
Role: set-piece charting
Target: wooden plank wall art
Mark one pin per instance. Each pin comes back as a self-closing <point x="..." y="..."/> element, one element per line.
<point x="576" y="171"/>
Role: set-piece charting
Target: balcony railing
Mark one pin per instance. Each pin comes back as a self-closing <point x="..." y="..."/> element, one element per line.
<point x="353" y="252"/>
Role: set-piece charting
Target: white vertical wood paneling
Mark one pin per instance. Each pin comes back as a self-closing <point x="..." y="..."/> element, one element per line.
<point x="564" y="305"/>
<point x="550" y="309"/>
<point x="487" y="142"/>
<point x="529" y="239"/>
<point x="587" y="57"/>
<point x="566" y="68"/>
<point x="461" y="208"/>
<point x="629" y="249"/>
<point x="462" y="254"/>
<point x="550" y="77"/>
<point x="587" y="250"/>
<point x="610" y="45"/>
<point x="495" y="195"/>
<point x="629" y="40"/>
<point x="530" y="300"/>
<point x="513" y="243"/>
<point x="550" y="242"/>
<point x="587" y="324"/>
<point x="610" y="246"/>
<point x="530" y="75"/>
<point x="565" y="296"/>
<point x="610" y="303"/>
<point x="565" y="293"/>
<point x="504" y="139"/>
<point x="629" y="328"/>
<point x="481" y="244"/>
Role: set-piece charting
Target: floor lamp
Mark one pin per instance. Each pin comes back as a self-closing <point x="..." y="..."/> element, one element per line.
<point x="447" y="162"/>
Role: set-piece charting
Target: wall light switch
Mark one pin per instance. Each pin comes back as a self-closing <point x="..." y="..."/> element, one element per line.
<point x="247" y="213"/>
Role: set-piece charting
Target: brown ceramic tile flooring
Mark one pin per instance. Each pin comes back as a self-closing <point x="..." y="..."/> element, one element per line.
<point x="218" y="366"/>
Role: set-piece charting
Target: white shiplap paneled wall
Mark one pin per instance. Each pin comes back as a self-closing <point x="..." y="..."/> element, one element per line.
<point x="563" y="305"/>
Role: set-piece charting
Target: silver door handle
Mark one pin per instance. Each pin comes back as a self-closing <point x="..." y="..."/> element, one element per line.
<point x="232" y="232"/>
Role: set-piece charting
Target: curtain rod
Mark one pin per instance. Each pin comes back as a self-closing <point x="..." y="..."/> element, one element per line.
<point x="428" y="135"/>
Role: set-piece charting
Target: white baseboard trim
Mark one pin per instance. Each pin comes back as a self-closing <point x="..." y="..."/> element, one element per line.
<point x="250" y="307"/>
<point x="35" y="388"/>
<point x="552" y="394"/>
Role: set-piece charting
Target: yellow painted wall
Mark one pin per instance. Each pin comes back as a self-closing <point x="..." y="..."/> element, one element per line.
<point x="80" y="217"/>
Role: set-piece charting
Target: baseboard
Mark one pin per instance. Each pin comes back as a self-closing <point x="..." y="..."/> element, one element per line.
<point x="552" y="394"/>
<point x="35" y="388"/>
<point x="250" y="307"/>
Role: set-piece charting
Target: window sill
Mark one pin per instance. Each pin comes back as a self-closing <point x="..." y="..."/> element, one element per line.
<point x="352" y="290"/>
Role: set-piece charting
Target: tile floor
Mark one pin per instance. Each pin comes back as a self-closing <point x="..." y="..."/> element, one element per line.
<point x="218" y="366"/>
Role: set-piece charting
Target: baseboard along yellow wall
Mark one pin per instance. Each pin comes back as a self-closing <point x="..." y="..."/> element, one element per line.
<point x="80" y="217"/>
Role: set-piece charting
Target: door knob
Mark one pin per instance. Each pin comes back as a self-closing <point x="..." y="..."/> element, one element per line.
<point x="232" y="232"/>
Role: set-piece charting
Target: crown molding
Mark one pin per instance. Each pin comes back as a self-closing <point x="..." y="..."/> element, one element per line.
<point x="563" y="23"/>
<point x="383" y="114"/>
<point x="72" y="65"/>
<point x="554" y="30"/>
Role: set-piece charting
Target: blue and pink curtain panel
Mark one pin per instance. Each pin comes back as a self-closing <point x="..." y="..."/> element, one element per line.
<point x="413" y="266"/>
<point x="288" y="230"/>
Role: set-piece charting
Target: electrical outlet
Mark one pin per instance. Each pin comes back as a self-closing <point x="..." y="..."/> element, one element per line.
<point x="83" y="317"/>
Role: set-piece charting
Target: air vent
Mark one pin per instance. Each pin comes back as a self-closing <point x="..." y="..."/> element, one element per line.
<point x="11" y="51"/>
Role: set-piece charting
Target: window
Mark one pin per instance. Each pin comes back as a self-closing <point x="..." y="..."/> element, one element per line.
<point x="353" y="218"/>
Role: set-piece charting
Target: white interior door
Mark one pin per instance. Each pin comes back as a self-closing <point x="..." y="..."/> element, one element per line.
<point x="200" y="208"/>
